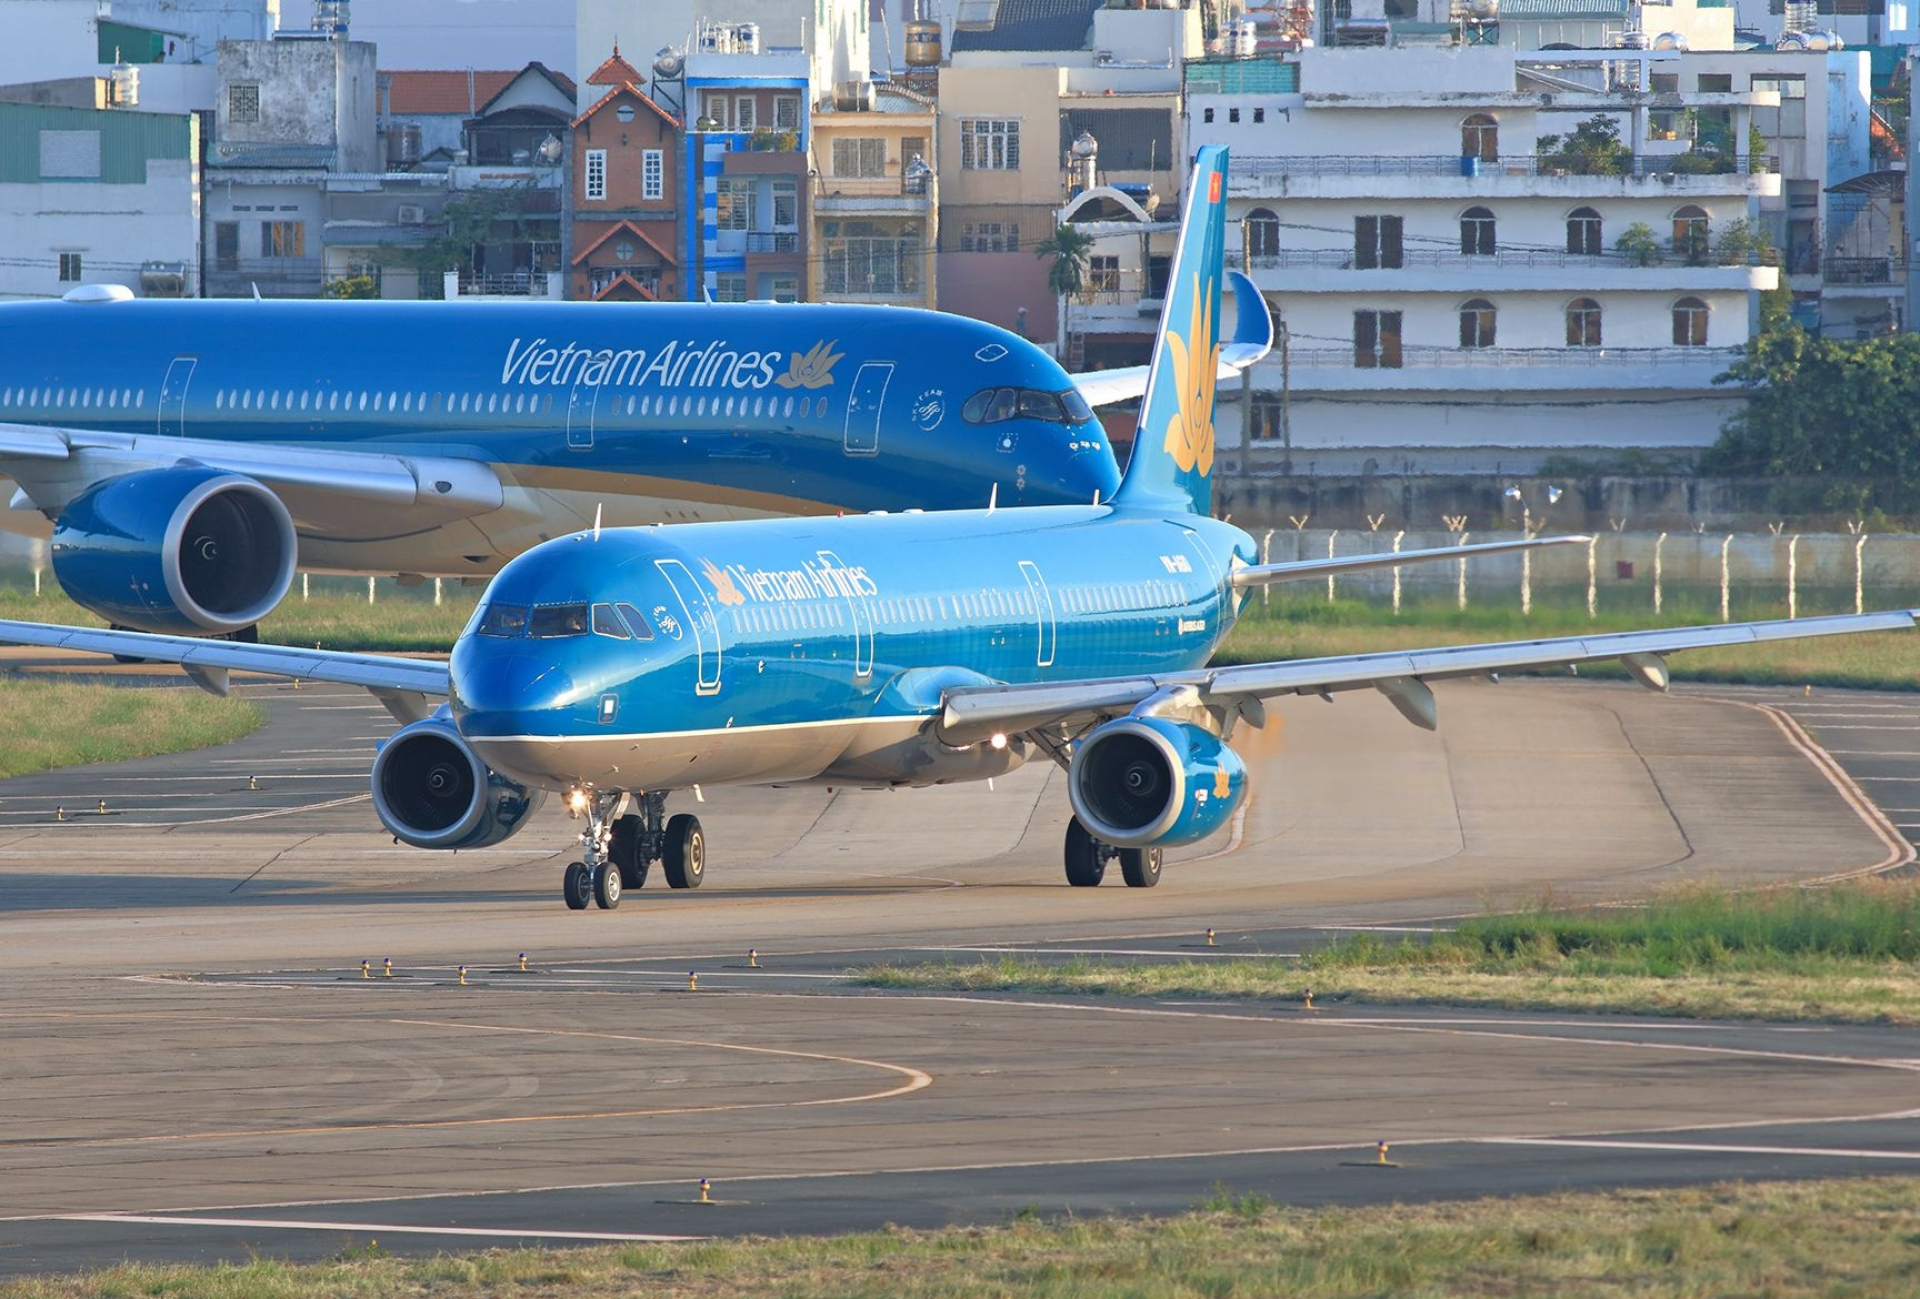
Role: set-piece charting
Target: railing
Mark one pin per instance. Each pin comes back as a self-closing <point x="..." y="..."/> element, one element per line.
<point x="1858" y="270"/>
<point x="1437" y="358"/>
<point x="892" y="185"/>
<point x="1342" y="259"/>
<point x="1525" y="164"/>
<point x="526" y="284"/>
<point x="779" y="241"/>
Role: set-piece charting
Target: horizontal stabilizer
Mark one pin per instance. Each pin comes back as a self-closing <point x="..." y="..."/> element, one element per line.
<point x="1300" y="569"/>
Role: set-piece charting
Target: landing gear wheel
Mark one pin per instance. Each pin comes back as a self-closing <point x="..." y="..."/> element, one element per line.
<point x="624" y="851"/>
<point x="686" y="860"/>
<point x="577" y="887"/>
<point x="1140" y="867"/>
<point x="1086" y="866"/>
<point x="606" y="886"/>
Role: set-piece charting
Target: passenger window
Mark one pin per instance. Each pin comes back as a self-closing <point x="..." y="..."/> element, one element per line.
<point x="555" y="621"/>
<point x="636" y="622"/>
<point x="607" y="623"/>
<point x="507" y="621"/>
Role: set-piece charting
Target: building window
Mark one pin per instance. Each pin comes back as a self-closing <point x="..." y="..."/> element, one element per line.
<point x="624" y="250"/>
<point x="743" y="118"/>
<point x="860" y="157"/>
<point x="596" y="179"/>
<point x="226" y="245"/>
<point x="1476" y="323"/>
<point x="989" y="144"/>
<point x="1263" y="233"/>
<point x="735" y="210"/>
<point x="1233" y="115"/>
<point x="283" y="239"/>
<point x="783" y="288"/>
<point x="1583" y="232"/>
<point x="1376" y="340"/>
<point x="1583" y="323"/>
<point x="1690" y="234"/>
<point x="1689" y="323"/>
<point x="786" y="113"/>
<point x="243" y="103"/>
<point x="1206" y="115"/>
<point x="624" y="113"/>
<point x="713" y="105"/>
<point x="1789" y="119"/>
<point x="1259" y="116"/>
<point x="729" y="288"/>
<point x="69" y="268"/>
<point x="1103" y="274"/>
<point x="1268" y="418"/>
<point x="1716" y="83"/>
<point x="653" y="173"/>
<point x="1376" y="243"/>
<point x="1476" y="232"/>
<point x="869" y="257"/>
<point x="989" y="237"/>
<point x="1480" y="137"/>
<point x="786" y="204"/>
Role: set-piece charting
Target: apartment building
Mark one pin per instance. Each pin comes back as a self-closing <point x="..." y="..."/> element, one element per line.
<point x="876" y="198"/>
<point x="628" y="155"/>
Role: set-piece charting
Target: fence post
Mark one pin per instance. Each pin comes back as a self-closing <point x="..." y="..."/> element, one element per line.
<point x="1658" y="543"/>
<point x="1726" y="582"/>
<point x="1397" y="538"/>
<point x="1526" y="583"/>
<point x="437" y="597"/>
<point x="1793" y="576"/>
<point x="306" y="587"/>
<point x="369" y="588"/>
<point x="1266" y="557"/>
<point x="1859" y="604"/>
<point x="1462" y="562"/>
<point x="1593" y="579"/>
<point x="1330" y="537"/>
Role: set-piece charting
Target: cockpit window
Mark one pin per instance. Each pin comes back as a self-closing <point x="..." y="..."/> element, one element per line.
<point x="607" y="623"/>
<point x="636" y="622"/>
<point x="504" y="620"/>
<point x="552" y="621"/>
<point x="992" y="405"/>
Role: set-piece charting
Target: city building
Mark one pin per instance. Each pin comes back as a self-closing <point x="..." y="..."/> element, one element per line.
<point x="99" y="196"/>
<point x="628" y="153"/>
<point x="164" y="50"/>
<point x="876" y="198"/>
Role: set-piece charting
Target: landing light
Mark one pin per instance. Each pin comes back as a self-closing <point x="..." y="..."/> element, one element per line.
<point x="576" y="801"/>
<point x="998" y="741"/>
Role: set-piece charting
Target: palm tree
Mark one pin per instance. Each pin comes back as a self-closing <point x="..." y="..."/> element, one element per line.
<point x="1067" y="277"/>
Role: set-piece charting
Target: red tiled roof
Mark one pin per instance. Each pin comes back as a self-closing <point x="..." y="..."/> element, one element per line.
<point x="614" y="72"/>
<point x="464" y="93"/>
<point x="630" y="228"/>
<point x="628" y="89"/>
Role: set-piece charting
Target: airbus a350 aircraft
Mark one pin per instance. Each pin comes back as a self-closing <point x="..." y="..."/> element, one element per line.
<point x="190" y="454"/>
<point x="620" y="666"/>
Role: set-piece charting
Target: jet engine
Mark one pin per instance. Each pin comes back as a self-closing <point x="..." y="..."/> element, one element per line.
<point x="187" y="550"/>
<point x="1142" y="782"/>
<point x="430" y="789"/>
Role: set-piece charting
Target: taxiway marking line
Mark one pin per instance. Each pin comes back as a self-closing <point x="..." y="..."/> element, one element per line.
<point x="1701" y="1147"/>
<point x="385" y="1228"/>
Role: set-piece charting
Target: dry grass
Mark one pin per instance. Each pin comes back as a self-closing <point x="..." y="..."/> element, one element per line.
<point x="64" y="724"/>
<point x="1859" y="1239"/>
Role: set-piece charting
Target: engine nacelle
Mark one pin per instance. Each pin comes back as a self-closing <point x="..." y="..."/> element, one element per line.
<point x="186" y="550"/>
<point x="431" y="790"/>
<point x="1142" y="782"/>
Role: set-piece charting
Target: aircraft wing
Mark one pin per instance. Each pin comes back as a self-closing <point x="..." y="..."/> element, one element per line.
<point x="1252" y="339"/>
<point x="976" y="712"/>
<point x="338" y="493"/>
<point x="408" y="687"/>
<point x="1299" y="569"/>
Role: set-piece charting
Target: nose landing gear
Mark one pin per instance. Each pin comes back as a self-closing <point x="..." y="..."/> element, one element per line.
<point x="620" y="846"/>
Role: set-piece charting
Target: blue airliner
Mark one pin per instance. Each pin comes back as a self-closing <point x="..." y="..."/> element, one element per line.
<point x="189" y="455"/>
<point x="618" y="666"/>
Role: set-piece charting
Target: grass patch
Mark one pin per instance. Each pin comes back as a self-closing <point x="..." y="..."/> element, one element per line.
<point x="1859" y="1238"/>
<point x="1849" y="953"/>
<point x="64" y="723"/>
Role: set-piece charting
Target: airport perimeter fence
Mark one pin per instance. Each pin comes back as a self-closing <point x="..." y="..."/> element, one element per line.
<point x="1702" y="574"/>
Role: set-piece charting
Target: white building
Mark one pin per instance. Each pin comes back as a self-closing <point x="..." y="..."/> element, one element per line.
<point x="1458" y="291"/>
<point x="170" y="44"/>
<point x="99" y="196"/>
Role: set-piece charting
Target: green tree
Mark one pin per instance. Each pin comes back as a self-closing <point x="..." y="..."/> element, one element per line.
<point x="469" y="220"/>
<point x="1071" y="250"/>
<point x="1638" y="244"/>
<point x="351" y="286"/>
<point x="1594" y="148"/>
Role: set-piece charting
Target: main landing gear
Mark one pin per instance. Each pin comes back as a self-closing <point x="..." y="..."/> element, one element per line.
<point x="1088" y="857"/>
<point x="621" y="846"/>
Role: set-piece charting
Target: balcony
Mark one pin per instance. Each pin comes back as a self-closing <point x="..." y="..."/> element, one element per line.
<point x="1417" y="176"/>
<point x="1498" y="369"/>
<point x="1331" y="270"/>
<point x="893" y="195"/>
<point x="774" y="241"/>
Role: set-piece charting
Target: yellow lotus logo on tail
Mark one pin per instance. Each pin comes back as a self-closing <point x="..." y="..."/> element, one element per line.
<point x="723" y="588"/>
<point x="1190" y="434"/>
<point x="814" y="369"/>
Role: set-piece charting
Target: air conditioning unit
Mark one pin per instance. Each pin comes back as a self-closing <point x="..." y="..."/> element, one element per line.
<point x="412" y="214"/>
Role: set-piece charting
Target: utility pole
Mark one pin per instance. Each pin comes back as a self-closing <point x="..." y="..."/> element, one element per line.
<point x="1286" y="396"/>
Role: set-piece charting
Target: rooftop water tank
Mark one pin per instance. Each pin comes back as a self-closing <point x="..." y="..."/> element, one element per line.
<point x="923" y="44"/>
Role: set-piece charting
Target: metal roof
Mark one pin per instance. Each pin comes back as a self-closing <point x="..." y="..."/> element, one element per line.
<point x="1032" y="25"/>
<point x="1563" y="10"/>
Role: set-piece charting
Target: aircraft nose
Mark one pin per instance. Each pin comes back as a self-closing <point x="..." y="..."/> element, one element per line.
<point x="509" y="693"/>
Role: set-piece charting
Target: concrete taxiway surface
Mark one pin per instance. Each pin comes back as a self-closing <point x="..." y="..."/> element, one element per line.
<point x="195" y="1066"/>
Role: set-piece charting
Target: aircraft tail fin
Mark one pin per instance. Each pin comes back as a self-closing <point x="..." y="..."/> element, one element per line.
<point x="1172" y="462"/>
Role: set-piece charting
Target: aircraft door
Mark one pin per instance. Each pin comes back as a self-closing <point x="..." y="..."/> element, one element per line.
<point x="864" y="403"/>
<point x="860" y="614"/>
<point x="699" y="622"/>
<point x="1043" y="612"/>
<point x="173" y="396"/>
<point x="583" y="406"/>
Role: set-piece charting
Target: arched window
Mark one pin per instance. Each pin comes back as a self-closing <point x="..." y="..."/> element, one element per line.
<point x="1583" y="323"/>
<point x="1583" y="232"/>
<point x="1689" y="323"/>
<point x="1480" y="137"/>
<point x="1263" y="233"/>
<point x="1476" y="232"/>
<point x="1476" y="323"/>
<point x="1690" y="232"/>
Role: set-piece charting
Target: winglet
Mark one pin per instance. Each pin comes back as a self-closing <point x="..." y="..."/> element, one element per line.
<point x="1252" y="325"/>
<point x="1172" y="463"/>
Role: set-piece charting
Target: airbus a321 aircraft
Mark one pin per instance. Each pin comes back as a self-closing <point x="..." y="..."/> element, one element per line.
<point x="616" y="668"/>
<point x="189" y="455"/>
